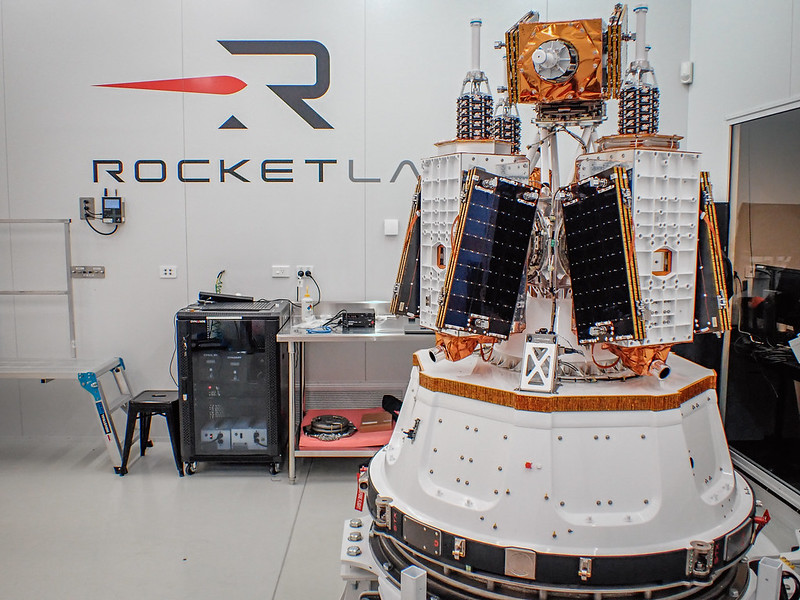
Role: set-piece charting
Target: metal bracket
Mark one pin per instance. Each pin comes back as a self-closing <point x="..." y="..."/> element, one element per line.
<point x="539" y="363"/>
<point x="585" y="568"/>
<point x="520" y="562"/>
<point x="412" y="433"/>
<point x="459" y="548"/>
<point x="383" y="511"/>
<point x="699" y="559"/>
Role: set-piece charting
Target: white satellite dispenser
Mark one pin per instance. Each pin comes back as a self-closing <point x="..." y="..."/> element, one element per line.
<point x="563" y="452"/>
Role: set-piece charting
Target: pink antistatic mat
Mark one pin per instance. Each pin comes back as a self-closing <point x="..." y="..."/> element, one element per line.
<point x="370" y="439"/>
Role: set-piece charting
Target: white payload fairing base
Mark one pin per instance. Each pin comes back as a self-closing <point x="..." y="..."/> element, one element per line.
<point x="615" y="488"/>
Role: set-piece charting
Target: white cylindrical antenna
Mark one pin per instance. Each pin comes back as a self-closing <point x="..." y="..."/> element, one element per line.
<point x="475" y="24"/>
<point x="641" y="32"/>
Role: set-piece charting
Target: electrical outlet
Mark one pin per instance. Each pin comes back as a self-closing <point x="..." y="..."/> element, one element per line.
<point x="304" y="268"/>
<point x="86" y="205"/>
<point x="168" y="272"/>
<point x="280" y="271"/>
<point x="88" y="272"/>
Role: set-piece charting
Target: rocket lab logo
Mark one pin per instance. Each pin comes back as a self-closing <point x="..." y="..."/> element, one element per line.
<point x="273" y="170"/>
<point x="294" y="96"/>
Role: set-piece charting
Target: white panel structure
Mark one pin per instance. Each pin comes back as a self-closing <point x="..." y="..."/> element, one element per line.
<point x="441" y="196"/>
<point x="539" y="363"/>
<point x="665" y="186"/>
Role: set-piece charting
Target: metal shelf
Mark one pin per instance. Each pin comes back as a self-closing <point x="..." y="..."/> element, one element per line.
<point x="295" y="336"/>
<point x="68" y="270"/>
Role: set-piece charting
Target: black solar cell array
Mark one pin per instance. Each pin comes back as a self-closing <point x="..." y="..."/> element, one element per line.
<point x="710" y="304"/>
<point x="601" y="258"/>
<point x="489" y="255"/>
<point x="405" y="297"/>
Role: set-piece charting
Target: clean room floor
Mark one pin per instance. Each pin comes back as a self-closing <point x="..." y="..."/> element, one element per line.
<point x="71" y="528"/>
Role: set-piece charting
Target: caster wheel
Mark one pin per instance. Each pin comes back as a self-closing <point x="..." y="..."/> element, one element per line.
<point x="274" y="468"/>
<point x="191" y="468"/>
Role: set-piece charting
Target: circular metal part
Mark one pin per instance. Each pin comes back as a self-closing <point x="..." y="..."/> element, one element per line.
<point x="329" y="427"/>
<point x="454" y="581"/>
<point x="353" y="551"/>
<point x="555" y="60"/>
<point x="659" y="368"/>
<point x="356" y="523"/>
<point x="355" y="537"/>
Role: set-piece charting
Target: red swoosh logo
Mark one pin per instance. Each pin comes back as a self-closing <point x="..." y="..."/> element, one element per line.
<point x="218" y="84"/>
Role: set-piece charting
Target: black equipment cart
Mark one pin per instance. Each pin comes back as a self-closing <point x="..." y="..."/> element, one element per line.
<point x="233" y="387"/>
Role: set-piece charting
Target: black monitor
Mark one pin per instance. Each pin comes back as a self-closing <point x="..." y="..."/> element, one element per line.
<point x="771" y="311"/>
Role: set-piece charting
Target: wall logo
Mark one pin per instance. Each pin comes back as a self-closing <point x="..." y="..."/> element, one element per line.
<point x="270" y="170"/>
<point x="294" y="96"/>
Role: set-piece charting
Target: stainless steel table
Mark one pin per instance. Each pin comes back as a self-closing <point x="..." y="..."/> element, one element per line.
<point x="89" y="374"/>
<point x="295" y="335"/>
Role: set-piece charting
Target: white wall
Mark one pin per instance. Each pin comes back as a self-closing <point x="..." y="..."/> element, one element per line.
<point x="396" y="70"/>
<point x="747" y="55"/>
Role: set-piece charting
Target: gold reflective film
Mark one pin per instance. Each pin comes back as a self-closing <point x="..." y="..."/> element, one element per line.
<point x="586" y="83"/>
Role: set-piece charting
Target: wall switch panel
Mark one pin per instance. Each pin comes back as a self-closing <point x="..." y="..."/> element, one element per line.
<point x="281" y="271"/>
<point x="391" y="227"/>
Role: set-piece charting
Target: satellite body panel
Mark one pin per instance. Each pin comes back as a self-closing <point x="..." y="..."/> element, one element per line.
<point x="665" y="212"/>
<point x="440" y="204"/>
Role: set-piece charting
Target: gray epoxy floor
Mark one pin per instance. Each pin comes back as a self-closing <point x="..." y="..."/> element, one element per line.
<point x="71" y="528"/>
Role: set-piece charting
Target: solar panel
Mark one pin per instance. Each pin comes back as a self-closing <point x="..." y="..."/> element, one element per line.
<point x="488" y="261"/>
<point x="710" y="304"/>
<point x="405" y="297"/>
<point x="602" y="262"/>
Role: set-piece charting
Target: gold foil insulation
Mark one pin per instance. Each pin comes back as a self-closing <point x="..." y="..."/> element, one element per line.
<point x="456" y="348"/>
<point x="456" y="233"/>
<point x="551" y="403"/>
<point x="709" y="215"/>
<point x="615" y="61"/>
<point x="626" y="218"/>
<point x="586" y="83"/>
<point x="649" y="141"/>
<point x="640" y="359"/>
<point x="408" y="260"/>
<point x="535" y="179"/>
<point x="601" y="58"/>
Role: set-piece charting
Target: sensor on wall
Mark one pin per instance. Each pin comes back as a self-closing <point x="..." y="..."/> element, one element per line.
<point x="687" y="72"/>
<point x="113" y="208"/>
